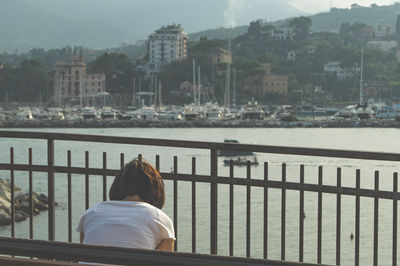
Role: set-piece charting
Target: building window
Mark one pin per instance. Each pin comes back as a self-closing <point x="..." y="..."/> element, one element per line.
<point x="272" y="84"/>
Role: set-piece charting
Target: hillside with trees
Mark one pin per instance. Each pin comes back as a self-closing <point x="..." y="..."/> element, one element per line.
<point x="28" y="76"/>
<point x="306" y="72"/>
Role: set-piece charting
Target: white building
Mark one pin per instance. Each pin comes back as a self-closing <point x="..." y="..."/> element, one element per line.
<point x="166" y="45"/>
<point x="291" y="56"/>
<point x="340" y="72"/>
<point x="282" y="33"/>
<point x="382" y="29"/>
<point x="382" y="45"/>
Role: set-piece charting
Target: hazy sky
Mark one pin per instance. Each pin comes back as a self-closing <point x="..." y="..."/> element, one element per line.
<point x="313" y="6"/>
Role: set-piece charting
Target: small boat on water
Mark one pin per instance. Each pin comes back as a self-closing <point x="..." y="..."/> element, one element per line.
<point x="241" y="162"/>
<point x="231" y="153"/>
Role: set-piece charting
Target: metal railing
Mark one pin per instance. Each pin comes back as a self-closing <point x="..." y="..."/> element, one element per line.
<point x="214" y="180"/>
<point x="73" y="252"/>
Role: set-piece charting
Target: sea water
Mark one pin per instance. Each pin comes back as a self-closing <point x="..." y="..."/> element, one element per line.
<point x="365" y="139"/>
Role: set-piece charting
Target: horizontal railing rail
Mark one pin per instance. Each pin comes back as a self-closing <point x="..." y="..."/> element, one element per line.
<point x="207" y="179"/>
<point x="380" y="156"/>
<point x="214" y="179"/>
<point x="122" y="256"/>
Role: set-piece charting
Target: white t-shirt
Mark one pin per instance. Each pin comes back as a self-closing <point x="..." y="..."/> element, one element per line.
<point x="125" y="224"/>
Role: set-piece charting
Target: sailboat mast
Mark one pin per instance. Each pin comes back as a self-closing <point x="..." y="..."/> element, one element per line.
<point x="361" y="77"/>
<point x="234" y="87"/>
<point x="194" y="81"/>
<point x="227" y="80"/>
<point x="159" y="94"/>
<point x="199" y="88"/>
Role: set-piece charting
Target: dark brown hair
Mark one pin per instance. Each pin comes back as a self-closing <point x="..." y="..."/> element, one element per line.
<point x="139" y="178"/>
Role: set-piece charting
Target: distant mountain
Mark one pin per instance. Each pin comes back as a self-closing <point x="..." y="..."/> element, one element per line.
<point x="331" y="21"/>
<point x="26" y="24"/>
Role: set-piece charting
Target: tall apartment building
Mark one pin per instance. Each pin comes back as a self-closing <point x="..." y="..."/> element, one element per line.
<point x="71" y="81"/>
<point x="166" y="45"/>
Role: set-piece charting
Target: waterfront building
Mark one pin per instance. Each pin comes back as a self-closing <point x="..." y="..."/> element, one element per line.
<point x="268" y="82"/>
<point x="166" y="45"/>
<point x="72" y="82"/>
<point x="377" y="90"/>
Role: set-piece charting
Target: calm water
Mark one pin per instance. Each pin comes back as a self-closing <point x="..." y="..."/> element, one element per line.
<point x="377" y="140"/>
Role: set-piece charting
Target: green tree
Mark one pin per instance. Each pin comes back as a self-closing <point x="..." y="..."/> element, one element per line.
<point x="8" y="77"/>
<point x="118" y="69"/>
<point x="31" y="81"/>
<point x="301" y="28"/>
<point x="398" y="27"/>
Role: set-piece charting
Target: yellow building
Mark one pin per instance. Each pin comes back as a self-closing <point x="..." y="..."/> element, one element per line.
<point x="268" y="82"/>
<point x="72" y="81"/>
<point x="221" y="56"/>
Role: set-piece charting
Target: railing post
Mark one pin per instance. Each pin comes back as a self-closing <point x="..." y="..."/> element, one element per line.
<point x="214" y="202"/>
<point x="50" y="188"/>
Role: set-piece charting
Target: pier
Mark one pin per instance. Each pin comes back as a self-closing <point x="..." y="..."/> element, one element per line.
<point x="251" y="184"/>
<point x="267" y="123"/>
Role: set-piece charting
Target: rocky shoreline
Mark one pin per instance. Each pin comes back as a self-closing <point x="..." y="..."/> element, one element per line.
<point x="22" y="208"/>
<point x="324" y="123"/>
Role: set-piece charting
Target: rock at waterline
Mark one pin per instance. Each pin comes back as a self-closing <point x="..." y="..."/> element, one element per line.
<point x="22" y="207"/>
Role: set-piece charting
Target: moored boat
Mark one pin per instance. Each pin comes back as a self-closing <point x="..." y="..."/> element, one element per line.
<point x="231" y="153"/>
<point x="241" y="162"/>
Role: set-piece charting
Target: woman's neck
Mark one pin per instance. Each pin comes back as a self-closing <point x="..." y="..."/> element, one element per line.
<point x="133" y="198"/>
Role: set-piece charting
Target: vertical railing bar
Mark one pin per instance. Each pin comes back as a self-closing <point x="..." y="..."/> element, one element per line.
<point x="12" y="187"/>
<point x="301" y="215"/>
<point x="319" y="246"/>
<point x="394" y="246"/>
<point x="376" y="218"/>
<point x="50" y="189"/>
<point x="158" y="163"/>
<point x="231" y="207"/>
<point x="104" y="176"/>
<point x="266" y="210"/>
<point x="69" y="164"/>
<point x="30" y="195"/>
<point x="122" y="160"/>
<point x="193" y="206"/>
<point x="283" y="213"/>
<point x="357" y="232"/>
<point x="338" y="214"/>
<point x="214" y="202"/>
<point x="86" y="181"/>
<point x="176" y="200"/>
<point x="248" y="211"/>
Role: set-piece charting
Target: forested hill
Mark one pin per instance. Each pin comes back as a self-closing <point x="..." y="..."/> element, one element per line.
<point x="332" y="20"/>
<point x="327" y="21"/>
